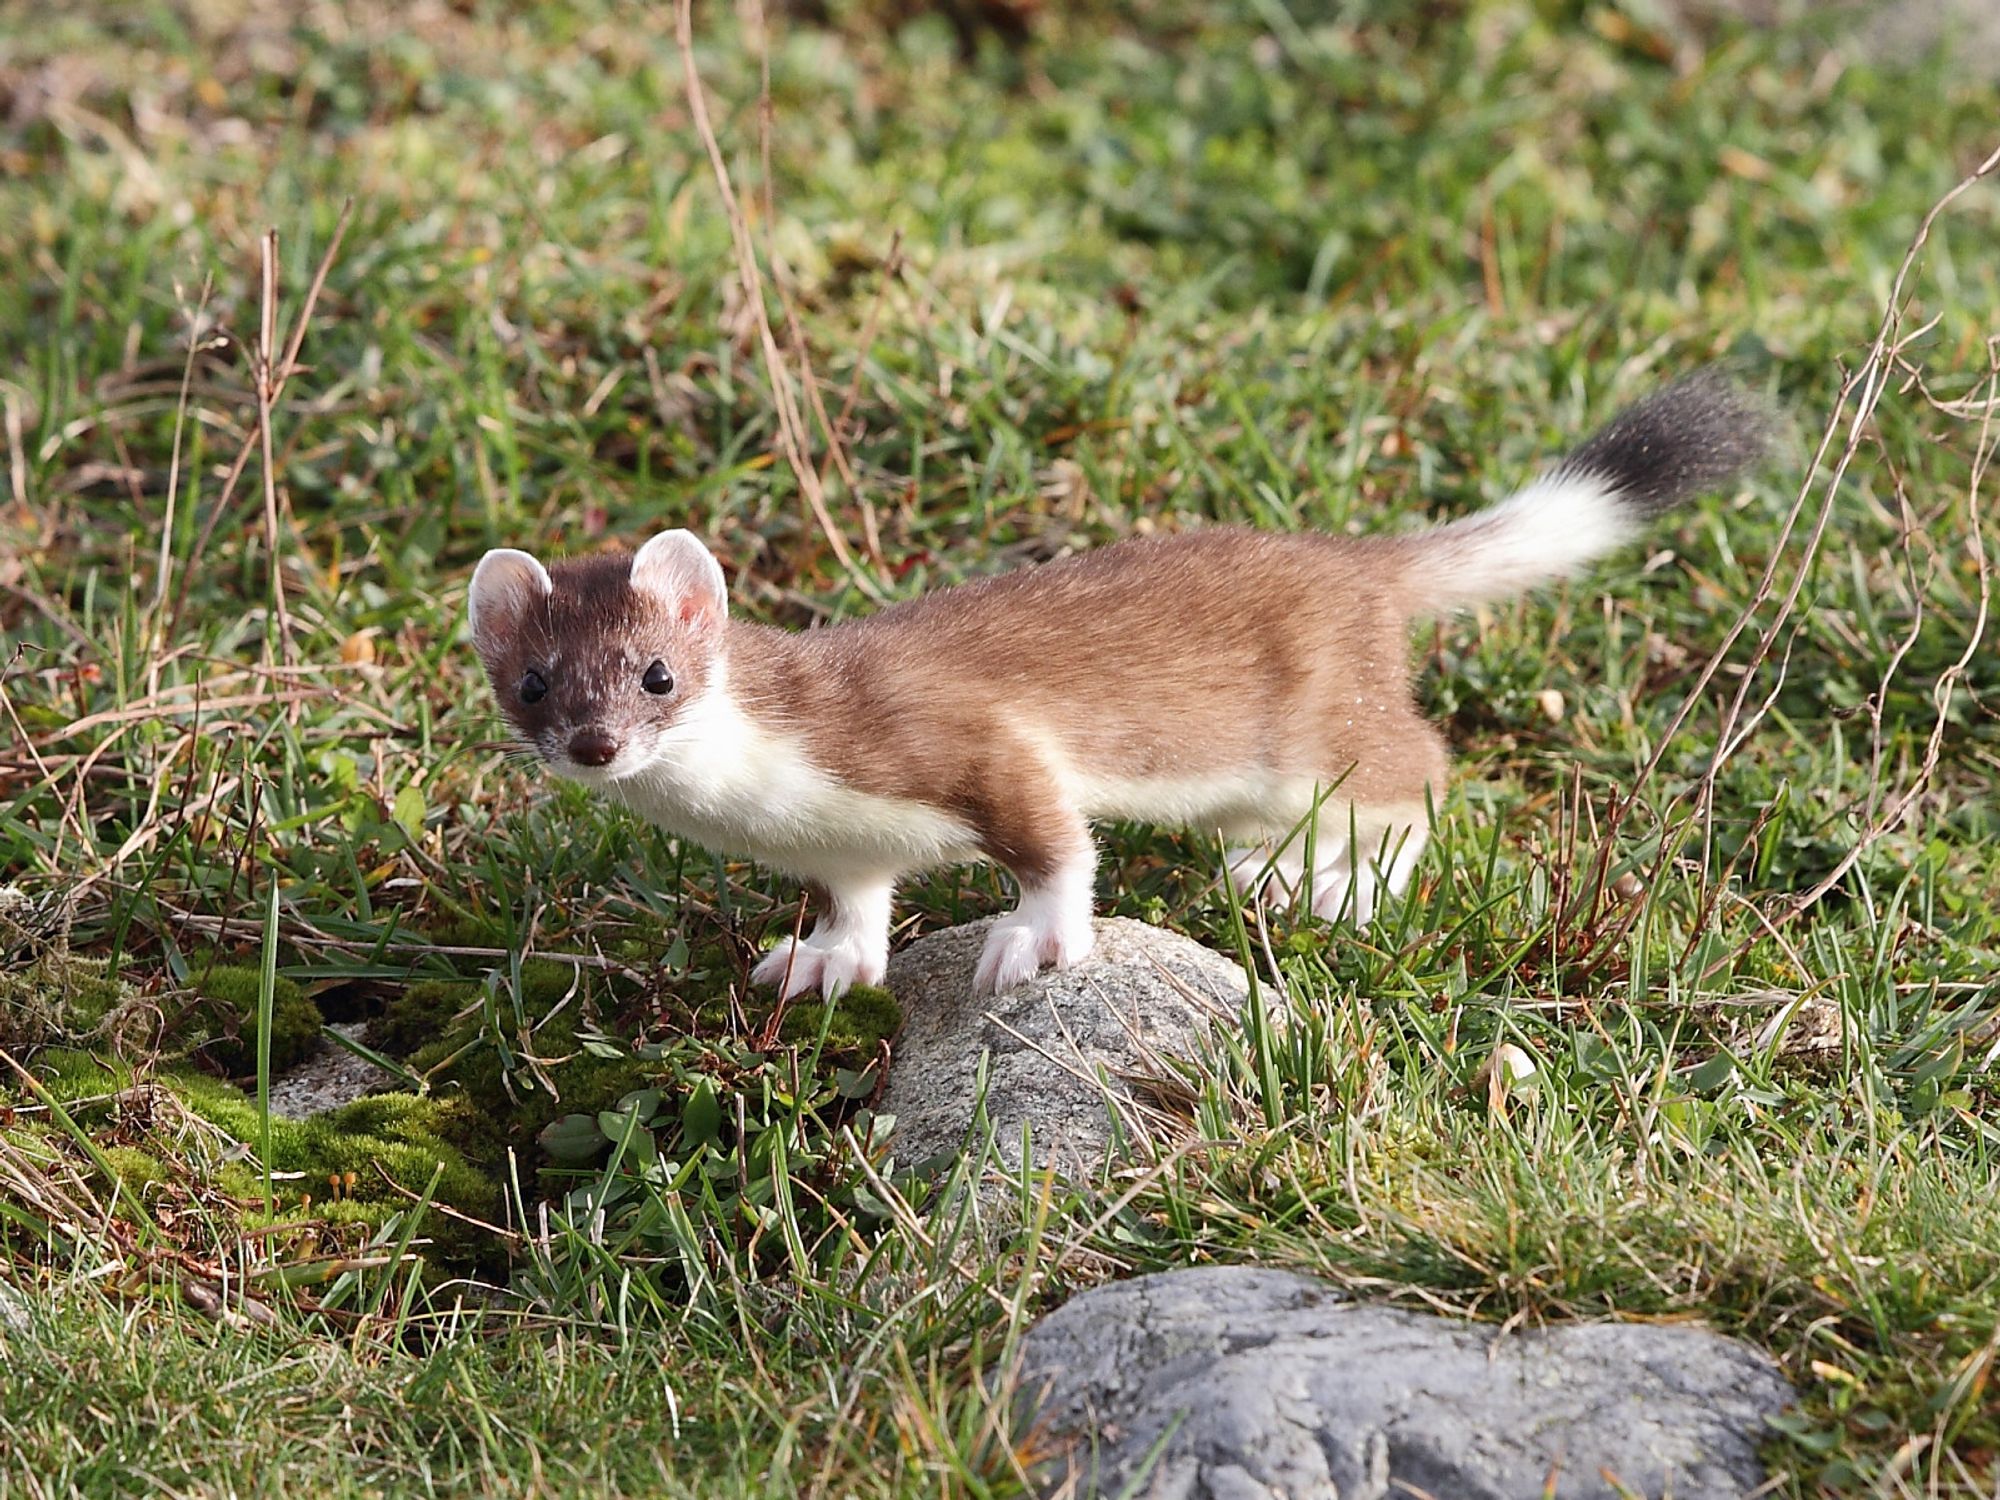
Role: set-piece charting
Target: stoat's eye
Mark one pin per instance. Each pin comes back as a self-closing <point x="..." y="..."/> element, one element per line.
<point x="533" y="689"/>
<point x="657" y="679"/>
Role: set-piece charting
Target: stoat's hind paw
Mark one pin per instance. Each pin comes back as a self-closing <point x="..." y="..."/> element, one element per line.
<point x="1264" y="878"/>
<point x="1020" y="945"/>
<point x="831" y="967"/>
<point x="1361" y="895"/>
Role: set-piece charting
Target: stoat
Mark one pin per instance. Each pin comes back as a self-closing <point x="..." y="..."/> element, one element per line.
<point x="1223" y="679"/>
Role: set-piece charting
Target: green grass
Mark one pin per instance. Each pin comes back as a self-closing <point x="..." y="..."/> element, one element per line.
<point x="1342" y="267"/>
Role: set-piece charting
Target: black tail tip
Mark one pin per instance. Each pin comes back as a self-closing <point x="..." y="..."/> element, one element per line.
<point x="1687" y="440"/>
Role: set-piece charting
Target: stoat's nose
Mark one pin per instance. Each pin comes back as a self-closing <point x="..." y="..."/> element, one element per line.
<point x="592" y="747"/>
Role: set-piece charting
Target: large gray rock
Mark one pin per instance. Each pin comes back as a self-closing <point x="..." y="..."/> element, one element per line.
<point x="1266" y="1385"/>
<point x="1065" y="1049"/>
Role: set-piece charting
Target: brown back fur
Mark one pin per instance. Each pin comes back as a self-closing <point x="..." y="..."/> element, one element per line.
<point x="1211" y="654"/>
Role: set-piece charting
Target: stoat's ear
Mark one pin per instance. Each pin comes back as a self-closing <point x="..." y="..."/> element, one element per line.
<point x="504" y="586"/>
<point x="678" y="571"/>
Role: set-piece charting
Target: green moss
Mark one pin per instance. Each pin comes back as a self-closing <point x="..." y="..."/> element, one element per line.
<point x="240" y="1181"/>
<point x="544" y="983"/>
<point x="640" y="953"/>
<point x="137" y="1170"/>
<point x="449" y="1120"/>
<point x="229" y="995"/>
<point x="222" y="1104"/>
<point x="863" y="1018"/>
<point x="327" y="1147"/>
<point x="583" y="1082"/>
<point x="424" y="1015"/>
<point x="69" y="1073"/>
<point x="461" y="929"/>
<point x="400" y="1136"/>
<point x="407" y="1134"/>
<point x="435" y="1017"/>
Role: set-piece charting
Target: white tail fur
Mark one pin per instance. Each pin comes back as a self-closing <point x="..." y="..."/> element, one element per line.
<point x="1691" y="438"/>
<point x="1553" y="529"/>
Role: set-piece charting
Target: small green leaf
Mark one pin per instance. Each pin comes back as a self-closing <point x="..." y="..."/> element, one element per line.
<point x="618" y="1125"/>
<point x="850" y="1084"/>
<point x="643" y="1102"/>
<point x="573" y="1140"/>
<point x="1713" y="1074"/>
<point x="408" y="810"/>
<point x="701" y="1116"/>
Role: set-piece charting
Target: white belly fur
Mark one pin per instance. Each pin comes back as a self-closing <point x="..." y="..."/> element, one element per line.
<point x="734" y="786"/>
<point x="1240" y="805"/>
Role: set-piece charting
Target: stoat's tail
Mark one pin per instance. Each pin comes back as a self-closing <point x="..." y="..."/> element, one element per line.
<point x="1691" y="438"/>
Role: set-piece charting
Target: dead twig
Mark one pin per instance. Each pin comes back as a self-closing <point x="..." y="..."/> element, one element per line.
<point x="793" y="438"/>
<point x="283" y="372"/>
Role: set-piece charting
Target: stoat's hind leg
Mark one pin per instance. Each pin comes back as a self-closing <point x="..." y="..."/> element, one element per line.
<point x="1266" y="874"/>
<point x="1390" y="844"/>
<point x="848" y="945"/>
<point x="1374" y="827"/>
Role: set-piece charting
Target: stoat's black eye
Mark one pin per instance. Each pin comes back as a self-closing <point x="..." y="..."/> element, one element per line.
<point x="658" y="679"/>
<point x="533" y="689"/>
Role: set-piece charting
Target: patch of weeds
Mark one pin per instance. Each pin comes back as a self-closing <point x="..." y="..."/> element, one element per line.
<point x="736" y="1163"/>
<point x="512" y="1046"/>
<point x="47" y="993"/>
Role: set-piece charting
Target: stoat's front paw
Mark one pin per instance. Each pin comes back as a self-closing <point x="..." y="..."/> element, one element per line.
<point x="831" y="966"/>
<point x="1362" y="890"/>
<point x="1020" y="946"/>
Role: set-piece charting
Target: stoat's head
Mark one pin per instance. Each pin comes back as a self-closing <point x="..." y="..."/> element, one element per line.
<point x="596" y="660"/>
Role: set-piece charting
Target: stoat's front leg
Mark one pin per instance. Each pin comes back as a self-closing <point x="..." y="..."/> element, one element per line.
<point x="1050" y="928"/>
<point x="848" y="945"/>
<point x="1045" y="843"/>
<point x="1017" y="816"/>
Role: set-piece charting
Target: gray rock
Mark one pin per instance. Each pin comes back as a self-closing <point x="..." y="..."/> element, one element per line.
<point x="1266" y="1385"/>
<point x="1066" y="1049"/>
<point x="330" y="1077"/>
